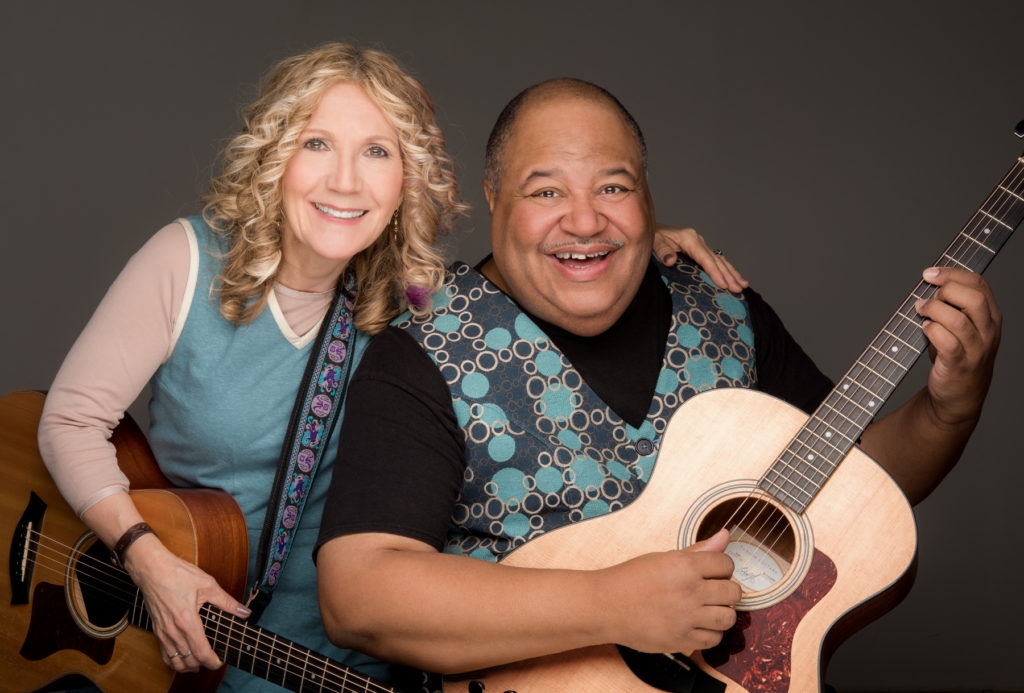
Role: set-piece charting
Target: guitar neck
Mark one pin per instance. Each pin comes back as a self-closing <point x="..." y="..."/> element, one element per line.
<point x="268" y="656"/>
<point x="807" y="463"/>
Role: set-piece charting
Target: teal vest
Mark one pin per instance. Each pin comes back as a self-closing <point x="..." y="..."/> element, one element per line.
<point x="219" y="414"/>
<point x="543" y="450"/>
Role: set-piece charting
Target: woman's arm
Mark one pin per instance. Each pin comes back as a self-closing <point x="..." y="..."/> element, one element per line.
<point x="123" y="344"/>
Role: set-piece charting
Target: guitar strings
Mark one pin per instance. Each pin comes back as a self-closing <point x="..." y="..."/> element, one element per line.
<point x="126" y="591"/>
<point x="331" y="671"/>
<point x="57" y="559"/>
<point x="884" y="372"/>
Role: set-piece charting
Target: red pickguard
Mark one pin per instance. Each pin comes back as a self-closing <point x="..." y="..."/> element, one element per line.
<point x="756" y="651"/>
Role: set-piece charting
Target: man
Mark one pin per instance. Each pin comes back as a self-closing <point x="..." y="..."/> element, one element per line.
<point x="538" y="394"/>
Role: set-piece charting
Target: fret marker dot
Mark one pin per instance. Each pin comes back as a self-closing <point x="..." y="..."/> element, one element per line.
<point x="810" y="456"/>
<point x="846" y="386"/>
<point x="895" y="349"/>
<point x="872" y="404"/>
<point x="828" y="434"/>
<point x="987" y="231"/>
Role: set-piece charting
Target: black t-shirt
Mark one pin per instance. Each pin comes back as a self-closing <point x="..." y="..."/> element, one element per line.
<point x="402" y="453"/>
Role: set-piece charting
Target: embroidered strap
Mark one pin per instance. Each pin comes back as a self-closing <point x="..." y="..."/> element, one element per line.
<point x="313" y="418"/>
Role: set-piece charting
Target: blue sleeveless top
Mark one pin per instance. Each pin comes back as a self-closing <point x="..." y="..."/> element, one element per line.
<point x="219" y="413"/>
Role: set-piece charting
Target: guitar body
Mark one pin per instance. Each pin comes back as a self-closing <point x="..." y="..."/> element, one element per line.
<point x="55" y="629"/>
<point x="844" y="561"/>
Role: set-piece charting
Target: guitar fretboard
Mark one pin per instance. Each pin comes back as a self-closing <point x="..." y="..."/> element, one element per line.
<point x="268" y="656"/>
<point x="816" y="451"/>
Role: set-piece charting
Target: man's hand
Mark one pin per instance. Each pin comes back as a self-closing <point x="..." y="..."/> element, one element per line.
<point x="676" y="601"/>
<point x="963" y="325"/>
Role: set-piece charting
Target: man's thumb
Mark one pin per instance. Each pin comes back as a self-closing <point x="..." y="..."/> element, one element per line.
<point x="716" y="542"/>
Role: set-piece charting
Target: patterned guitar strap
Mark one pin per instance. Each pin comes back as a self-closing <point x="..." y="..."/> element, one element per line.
<point x="309" y="430"/>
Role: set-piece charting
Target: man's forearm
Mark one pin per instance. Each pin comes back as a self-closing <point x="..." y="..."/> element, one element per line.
<point x="915" y="447"/>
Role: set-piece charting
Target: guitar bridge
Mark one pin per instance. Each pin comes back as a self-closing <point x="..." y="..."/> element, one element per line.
<point x="24" y="547"/>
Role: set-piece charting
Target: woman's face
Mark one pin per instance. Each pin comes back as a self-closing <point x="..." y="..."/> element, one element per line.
<point x="339" y="189"/>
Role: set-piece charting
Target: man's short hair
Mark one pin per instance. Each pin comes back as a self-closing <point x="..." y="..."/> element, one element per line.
<point x="502" y="130"/>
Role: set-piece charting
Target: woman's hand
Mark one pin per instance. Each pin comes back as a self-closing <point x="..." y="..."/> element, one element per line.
<point x="174" y="591"/>
<point x="669" y="240"/>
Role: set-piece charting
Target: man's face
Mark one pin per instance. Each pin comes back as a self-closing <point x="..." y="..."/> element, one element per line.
<point x="572" y="223"/>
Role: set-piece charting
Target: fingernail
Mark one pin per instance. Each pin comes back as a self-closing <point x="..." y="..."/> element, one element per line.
<point x="668" y="258"/>
<point x="243" y="611"/>
<point x="931" y="273"/>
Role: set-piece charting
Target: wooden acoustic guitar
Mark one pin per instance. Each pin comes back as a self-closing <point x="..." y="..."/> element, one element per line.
<point x="823" y="539"/>
<point x="69" y="617"/>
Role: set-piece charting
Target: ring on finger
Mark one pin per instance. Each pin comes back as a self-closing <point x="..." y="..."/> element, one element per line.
<point x="718" y="251"/>
<point x="186" y="654"/>
<point x="176" y="654"/>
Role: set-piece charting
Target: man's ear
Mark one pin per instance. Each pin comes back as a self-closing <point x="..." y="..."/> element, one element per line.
<point x="489" y="195"/>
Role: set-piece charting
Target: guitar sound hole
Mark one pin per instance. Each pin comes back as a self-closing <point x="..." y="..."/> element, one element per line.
<point x="762" y="543"/>
<point x="104" y="590"/>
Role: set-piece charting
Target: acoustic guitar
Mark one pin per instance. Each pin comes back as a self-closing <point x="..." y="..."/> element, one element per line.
<point x="822" y="538"/>
<point x="69" y="617"/>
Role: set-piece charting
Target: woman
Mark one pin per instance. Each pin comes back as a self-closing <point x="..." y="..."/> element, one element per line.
<point x="339" y="179"/>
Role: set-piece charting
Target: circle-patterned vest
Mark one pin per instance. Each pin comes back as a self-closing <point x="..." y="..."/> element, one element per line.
<point x="542" y="449"/>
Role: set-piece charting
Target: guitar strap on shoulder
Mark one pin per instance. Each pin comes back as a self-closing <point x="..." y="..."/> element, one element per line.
<point x="319" y="398"/>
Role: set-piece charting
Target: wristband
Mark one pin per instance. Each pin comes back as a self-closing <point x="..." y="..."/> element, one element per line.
<point x="126" y="540"/>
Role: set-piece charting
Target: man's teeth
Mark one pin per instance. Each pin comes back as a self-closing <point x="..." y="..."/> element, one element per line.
<point x="340" y="214"/>
<point x="580" y="256"/>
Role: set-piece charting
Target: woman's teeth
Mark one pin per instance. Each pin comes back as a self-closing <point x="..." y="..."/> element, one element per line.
<point x="338" y="213"/>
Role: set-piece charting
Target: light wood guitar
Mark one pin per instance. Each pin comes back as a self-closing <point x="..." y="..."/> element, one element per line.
<point x="823" y="539"/>
<point x="68" y="616"/>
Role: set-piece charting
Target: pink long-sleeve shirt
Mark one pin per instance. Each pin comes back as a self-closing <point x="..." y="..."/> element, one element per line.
<point x="132" y="332"/>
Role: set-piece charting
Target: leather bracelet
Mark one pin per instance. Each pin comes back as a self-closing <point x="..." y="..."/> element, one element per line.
<point x="126" y="540"/>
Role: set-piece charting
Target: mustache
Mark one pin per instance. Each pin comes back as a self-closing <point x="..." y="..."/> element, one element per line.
<point x="582" y="245"/>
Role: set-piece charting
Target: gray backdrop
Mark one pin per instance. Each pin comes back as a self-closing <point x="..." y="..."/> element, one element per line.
<point x="831" y="149"/>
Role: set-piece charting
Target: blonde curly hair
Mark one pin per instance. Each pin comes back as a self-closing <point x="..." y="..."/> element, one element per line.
<point x="403" y="266"/>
